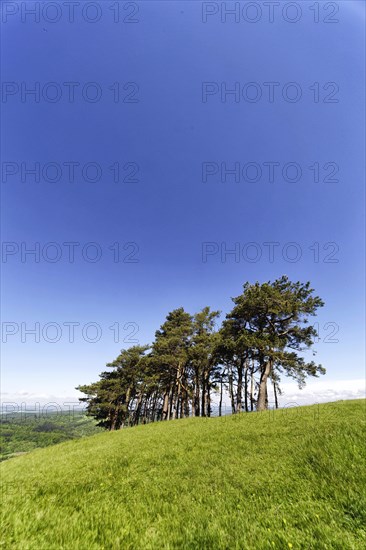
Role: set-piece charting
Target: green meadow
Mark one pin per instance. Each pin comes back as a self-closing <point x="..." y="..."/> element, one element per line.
<point x="291" y="478"/>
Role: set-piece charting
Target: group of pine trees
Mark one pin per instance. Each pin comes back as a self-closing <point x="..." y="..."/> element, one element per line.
<point x="190" y="360"/>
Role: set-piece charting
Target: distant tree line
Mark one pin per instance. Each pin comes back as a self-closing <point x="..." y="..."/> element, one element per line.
<point x="190" y="360"/>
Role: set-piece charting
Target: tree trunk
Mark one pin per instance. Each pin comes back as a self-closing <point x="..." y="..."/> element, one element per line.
<point x="146" y="410"/>
<point x="186" y="404"/>
<point x="178" y="395"/>
<point x="275" y="393"/>
<point x="181" y="406"/>
<point x="231" y="390"/>
<point x="170" y="402"/>
<point x="239" y="394"/>
<point x="262" y="402"/>
<point x="197" y="394"/>
<point x="246" y="386"/>
<point x="221" y="393"/>
<point x="252" y="388"/>
<point x="138" y="409"/>
<point x="165" y="406"/>
<point x="126" y="412"/>
<point x="203" y="392"/>
<point x="208" y="400"/>
<point x="114" y="417"/>
<point x="175" y="405"/>
<point x="153" y="408"/>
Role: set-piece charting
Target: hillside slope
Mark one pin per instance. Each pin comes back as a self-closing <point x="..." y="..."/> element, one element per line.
<point x="280" y="479"/>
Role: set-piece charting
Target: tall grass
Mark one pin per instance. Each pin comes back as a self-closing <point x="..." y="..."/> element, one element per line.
<point x="279" y="479"/>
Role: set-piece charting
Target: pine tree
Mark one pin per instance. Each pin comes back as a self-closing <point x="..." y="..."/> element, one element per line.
<point x="203" y="343"/>
<point x="170" y="355"/>
<point x="273" y="321"/>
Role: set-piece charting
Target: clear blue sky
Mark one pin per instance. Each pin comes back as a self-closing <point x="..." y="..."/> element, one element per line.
<point x="169" y="212"/>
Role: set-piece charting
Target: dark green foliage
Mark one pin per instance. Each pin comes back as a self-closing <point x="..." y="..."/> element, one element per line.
<point x="269" y="323"/>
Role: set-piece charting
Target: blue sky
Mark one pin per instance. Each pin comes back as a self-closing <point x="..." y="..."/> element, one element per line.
<point x="163" y="59"/>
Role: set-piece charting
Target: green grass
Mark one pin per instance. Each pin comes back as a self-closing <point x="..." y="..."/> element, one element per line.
<point x="283" y="479"/>
<point x="21" y="433"/>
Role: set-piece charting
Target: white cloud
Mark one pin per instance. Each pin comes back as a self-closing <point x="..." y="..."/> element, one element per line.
<point x="23" y="401"/>
<point x="322" y="391"/>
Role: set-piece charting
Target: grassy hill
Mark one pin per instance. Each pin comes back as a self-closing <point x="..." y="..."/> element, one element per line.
<point x="281" y="479"/>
